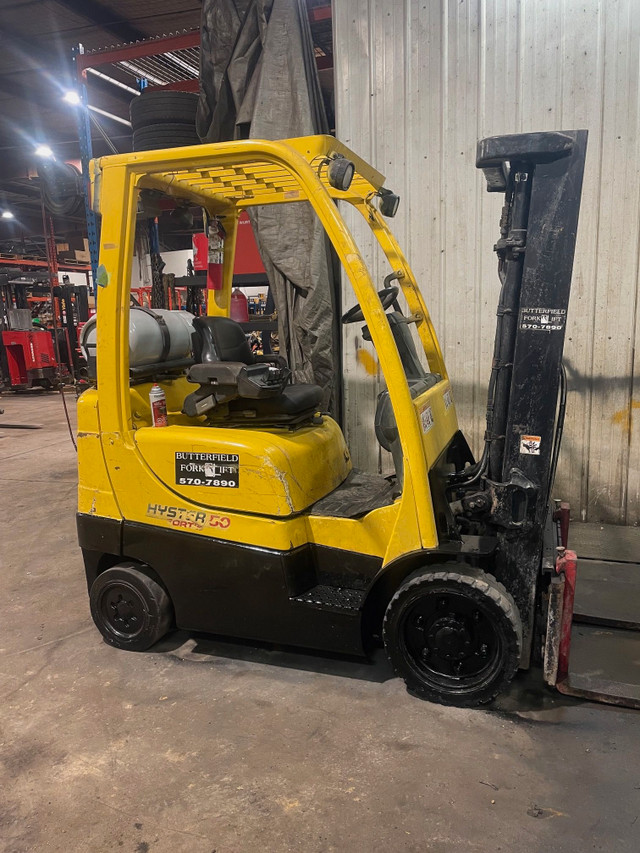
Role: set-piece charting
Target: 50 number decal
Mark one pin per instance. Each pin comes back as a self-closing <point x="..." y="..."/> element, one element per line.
<point x="188" y="519"/>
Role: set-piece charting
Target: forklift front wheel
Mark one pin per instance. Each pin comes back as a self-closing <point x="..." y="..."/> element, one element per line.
<point x="454" y="635"/>
<point x="130" y="609"/>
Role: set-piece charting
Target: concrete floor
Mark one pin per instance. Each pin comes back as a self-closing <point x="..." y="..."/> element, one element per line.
<point x="206" y="746"/>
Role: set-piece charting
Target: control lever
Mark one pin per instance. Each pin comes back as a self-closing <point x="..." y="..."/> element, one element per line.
<point x="275" y="376"/>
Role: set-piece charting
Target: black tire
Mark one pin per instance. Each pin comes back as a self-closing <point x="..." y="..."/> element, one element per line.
<point x="162" y="108"/>
<point x="164" y="136"/>
<point x="62" y="189"/>
<point x="454" y="635"/>
<point x="130" y="609"/>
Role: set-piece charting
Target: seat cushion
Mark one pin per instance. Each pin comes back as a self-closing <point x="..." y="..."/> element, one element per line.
<point x="294" y="400"/>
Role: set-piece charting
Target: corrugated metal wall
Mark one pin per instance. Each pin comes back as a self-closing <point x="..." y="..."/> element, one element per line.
<point x="417" y="83"/>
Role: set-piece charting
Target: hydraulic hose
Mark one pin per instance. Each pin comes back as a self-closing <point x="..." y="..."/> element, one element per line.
<point x="557" y="440"/>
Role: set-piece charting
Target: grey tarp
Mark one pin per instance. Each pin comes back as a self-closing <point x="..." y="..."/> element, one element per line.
<point x="258" y="78"/>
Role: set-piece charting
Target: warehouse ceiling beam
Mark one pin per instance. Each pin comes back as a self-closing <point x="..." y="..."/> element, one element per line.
<point x="104" y="17"/>
<point x="150" y="47"/>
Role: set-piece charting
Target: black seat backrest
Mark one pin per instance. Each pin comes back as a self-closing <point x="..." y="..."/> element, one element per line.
<point x="220" y="339"/>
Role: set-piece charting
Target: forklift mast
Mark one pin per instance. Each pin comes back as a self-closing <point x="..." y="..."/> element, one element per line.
<point x="541" y="176"/>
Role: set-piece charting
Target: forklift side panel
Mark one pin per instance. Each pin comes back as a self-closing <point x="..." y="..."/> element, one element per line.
<point x="95" y="492"/>
<point x="274" y="472"/>
<point x="438" y="420"/>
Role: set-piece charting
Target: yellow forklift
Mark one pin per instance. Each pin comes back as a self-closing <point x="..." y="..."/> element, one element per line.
<point x="244" y="517"/>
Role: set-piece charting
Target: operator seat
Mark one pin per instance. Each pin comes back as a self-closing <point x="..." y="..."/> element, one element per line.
<point x="237" y="385"/>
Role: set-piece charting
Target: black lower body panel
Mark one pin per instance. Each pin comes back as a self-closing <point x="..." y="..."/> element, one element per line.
<point x="237" y="590"/>
<point x="98" y="537"/>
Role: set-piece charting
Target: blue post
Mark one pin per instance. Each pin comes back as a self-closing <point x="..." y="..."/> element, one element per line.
<point x="86" y="153"/>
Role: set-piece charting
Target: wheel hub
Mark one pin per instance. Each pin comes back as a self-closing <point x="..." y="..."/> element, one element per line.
<point x="124" y="613"/>
<point x="449" y="638"/>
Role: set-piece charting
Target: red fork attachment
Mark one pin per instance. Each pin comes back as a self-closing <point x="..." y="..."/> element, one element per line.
<point x="560" y="611"/>
<point x="566" y="565"/>
<point x="606" y="647"/>
<point x="559" y="618"/>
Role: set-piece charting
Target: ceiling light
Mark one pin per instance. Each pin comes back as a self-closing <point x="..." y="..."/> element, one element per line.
<point x="109" y="115"/>
<point x="113" y="81"/>
<point x="43" y="151"/>
<point x="6" y="214"/>
<point x="72" y="97"/>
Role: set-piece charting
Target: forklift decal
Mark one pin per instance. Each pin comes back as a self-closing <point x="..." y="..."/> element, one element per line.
<point x="187" y="519"/>
<point x="530" y="445"/>
<point x="221" y="470"/>
<point x="543" y="319"/>
<point x="448" y="399"/>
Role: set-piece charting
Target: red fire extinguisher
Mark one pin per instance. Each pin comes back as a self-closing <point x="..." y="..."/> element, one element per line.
<point x="239" y="306"/>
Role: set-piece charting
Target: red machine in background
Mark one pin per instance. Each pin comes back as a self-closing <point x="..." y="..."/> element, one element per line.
<point x="30" y="359"/>
<point x="39" y="331"/>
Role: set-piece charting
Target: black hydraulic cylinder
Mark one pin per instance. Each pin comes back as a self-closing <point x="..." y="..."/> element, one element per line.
<point x="511" y="248"/>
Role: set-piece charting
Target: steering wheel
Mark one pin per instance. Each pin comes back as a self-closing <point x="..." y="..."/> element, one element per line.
<point x="387" y="296"/>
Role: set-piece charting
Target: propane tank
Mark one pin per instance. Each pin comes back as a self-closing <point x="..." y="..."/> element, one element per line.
<point x="147" y="345"/>
<point x="158" y="403"/>
<point x="239" y="306"/>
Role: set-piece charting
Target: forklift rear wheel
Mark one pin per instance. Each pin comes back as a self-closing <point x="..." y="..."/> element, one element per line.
<point x="453" y="635"/>
<point x="130" y="609"/>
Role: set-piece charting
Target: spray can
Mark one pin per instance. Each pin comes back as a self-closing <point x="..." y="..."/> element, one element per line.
<point x="158" y="403"/>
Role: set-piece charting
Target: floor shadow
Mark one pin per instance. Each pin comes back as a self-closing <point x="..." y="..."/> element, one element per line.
<point x="526" y="698"/>
<point x="205" y="648"/>
<point x="529" y="698"/>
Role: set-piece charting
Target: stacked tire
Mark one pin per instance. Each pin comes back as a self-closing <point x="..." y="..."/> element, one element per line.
<point x="164" y="119"/>
<point x="62" y="188"/>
